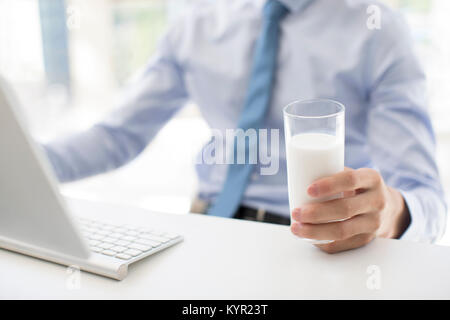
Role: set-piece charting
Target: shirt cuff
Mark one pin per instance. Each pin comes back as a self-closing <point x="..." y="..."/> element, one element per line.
<point x="415" y="230"/>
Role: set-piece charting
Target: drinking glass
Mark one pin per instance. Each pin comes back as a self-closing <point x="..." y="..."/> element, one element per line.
<point x="315" y="138"/>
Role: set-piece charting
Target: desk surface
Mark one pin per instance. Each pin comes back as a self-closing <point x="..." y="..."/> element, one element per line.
<point x="231" y="259"/>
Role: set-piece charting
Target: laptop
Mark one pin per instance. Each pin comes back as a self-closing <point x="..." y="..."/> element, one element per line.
<point x="35" y="221"/>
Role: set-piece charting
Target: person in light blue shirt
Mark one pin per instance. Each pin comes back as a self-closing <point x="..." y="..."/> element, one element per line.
<point x="325" y="50"/>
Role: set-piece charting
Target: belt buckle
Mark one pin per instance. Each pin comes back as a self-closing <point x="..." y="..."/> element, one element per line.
<point x="260" y="214"/>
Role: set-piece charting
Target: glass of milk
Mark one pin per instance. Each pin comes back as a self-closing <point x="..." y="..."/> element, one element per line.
<point x="315" y="137"/>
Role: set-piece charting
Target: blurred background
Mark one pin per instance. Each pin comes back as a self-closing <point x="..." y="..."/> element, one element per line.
<point x="68" y="60"/>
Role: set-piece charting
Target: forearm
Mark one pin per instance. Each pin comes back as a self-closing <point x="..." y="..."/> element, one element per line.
<point x="97" y="150"/>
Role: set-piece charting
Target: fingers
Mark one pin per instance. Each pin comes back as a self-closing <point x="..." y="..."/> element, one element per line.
<point x="351" y="221"/>
<point x="343" y="181"/>
<point x="341" y="230"/>
<point x="348" y="244"/>
<point x="337" y="209"/>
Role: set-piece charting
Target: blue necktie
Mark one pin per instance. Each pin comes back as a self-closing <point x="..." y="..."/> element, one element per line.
<point x="256" y="105"/>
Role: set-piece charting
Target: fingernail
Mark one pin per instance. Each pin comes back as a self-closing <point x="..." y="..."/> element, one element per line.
<point x="313" y="190"/>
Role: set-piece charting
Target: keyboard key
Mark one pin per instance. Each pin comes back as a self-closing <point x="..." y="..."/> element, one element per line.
<point x="109" y="253"/>
<point x="96" y="249"/>
<point x="157" y="232"/>
<point x="129" y="238"/>
<point x="109" y="240"/>
<point x="140" y="247"/>
<point x="131" y="233"/>
<point x="108" y="227"/>
<point x="122" y="242"/>
<point x="96" y="237"/>
<point x="133" y="252"/>
<point x="93" y="243"/>
<point x="131" y="228"/>
<point x="115" y="235"/>
<point x="105" y="245"/>
<point x="118" y="249"/>
<point x="153" y="237"/>
<point x="147" y="242"/>
<point x="123" y="256"/>
<point x="170" y="235"/>
<point x="103" y="232"/>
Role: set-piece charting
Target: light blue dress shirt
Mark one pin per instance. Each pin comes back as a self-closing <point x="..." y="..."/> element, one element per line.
<point x="326" y="51"/>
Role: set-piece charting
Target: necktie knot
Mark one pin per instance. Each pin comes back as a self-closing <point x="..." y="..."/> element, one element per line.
<point x="275" y="10"/>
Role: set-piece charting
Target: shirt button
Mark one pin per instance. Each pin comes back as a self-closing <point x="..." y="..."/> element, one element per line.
<point x="254" y="176"/>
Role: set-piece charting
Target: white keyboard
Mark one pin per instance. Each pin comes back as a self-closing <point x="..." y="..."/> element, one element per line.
<point x="125" y="242"/>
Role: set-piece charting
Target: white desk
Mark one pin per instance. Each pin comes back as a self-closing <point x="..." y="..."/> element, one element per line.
<point x="232" y="259"/>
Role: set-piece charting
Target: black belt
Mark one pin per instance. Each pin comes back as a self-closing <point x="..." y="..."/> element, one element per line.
<point x="261" y="215"/>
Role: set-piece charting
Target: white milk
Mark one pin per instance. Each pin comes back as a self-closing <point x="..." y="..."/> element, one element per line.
<point x="311" y="156"/>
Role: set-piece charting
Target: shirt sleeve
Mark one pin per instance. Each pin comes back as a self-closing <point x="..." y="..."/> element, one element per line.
<point x="400" y="134"/>
<point x="149" y="102"/>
